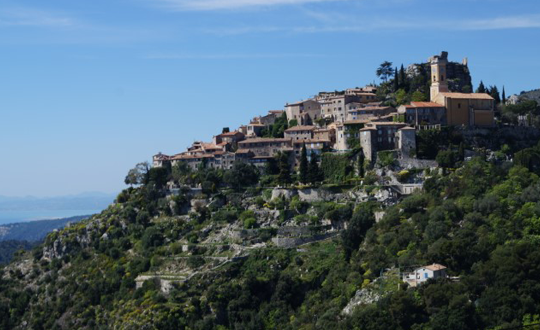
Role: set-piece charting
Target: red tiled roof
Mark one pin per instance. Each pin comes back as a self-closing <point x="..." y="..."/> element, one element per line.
<point x="476" y="96"/>
<point x="370" y="109"/>
<point x="161" y="156"/>
<point x="356" y="121"/>
<point x="435" y="267"/>
<point x="310" y="141"/>
<point x="300" y="128"/>
<point x="387" y="123"/>
<point x="182" y="157"/>
<point x="263" y="140"/>
<point x="230" y="133"/>
<point x="297" y="103"/>
<point x="424" y="105"/>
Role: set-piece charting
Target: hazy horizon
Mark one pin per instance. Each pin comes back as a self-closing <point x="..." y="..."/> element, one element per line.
<point x="92" y="88"/>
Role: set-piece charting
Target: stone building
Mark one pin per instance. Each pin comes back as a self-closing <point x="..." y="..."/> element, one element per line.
<point x="305" y="112"/>
<point x="316" y="147"/>
<point x="299" y="132"/>
<point x="406" y="142"/>
<point x="268" y="119"/>
<point x="160" y="160"/>
<point x="335" y="107"/>
<point x="423" y="274"/>
<point x="265" y="146"/>
<point x="229" y="138"/>
<point x="467" y="109"/>
<point x="325" y="134"/>
<point x="193" y="161"/>
<point x="346" y="131"/>
<point x="254" y="129"/>
<point x="423" y="113"/>
<point x="359" y="111"/>
<point x="380" y="136"/>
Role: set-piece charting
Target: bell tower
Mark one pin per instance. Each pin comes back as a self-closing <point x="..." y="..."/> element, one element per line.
<point x="439" y="83"/>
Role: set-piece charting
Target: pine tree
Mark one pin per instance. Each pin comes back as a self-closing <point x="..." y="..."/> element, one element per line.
<point x="284" y="176"/>
<point x="304" y="165"/>
<point x="481" y="88"/>
<point x="396" y="80"/>
<point x="503" y="96"/>
<point x="314" y="174"/>
<point x="494" y="92"/>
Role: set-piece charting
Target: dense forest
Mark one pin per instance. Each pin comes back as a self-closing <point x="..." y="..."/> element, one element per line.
<point x="480" y="219"/>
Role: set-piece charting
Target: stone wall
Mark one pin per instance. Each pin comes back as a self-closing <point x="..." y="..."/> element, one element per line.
<point x="408" y="163"/>
<point x="291" y="242"/>
<point x="493" y="138"/>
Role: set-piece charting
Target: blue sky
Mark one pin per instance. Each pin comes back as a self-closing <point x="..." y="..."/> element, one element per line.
<point x="90" y="88"/>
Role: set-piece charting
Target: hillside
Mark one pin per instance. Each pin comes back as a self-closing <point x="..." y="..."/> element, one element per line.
<point x="533" y="95"/>
<point x="34" y="231"/>
<point x="296" y="258"/>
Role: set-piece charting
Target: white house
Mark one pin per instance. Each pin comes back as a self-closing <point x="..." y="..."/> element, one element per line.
<point x="424" y="273"/>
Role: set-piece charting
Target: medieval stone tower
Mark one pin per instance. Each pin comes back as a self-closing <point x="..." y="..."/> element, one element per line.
<point x="439" y="83"/>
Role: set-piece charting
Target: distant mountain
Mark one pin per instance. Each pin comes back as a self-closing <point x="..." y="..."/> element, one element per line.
<point x="34" y="231"/>
<point x="85" y="201"/>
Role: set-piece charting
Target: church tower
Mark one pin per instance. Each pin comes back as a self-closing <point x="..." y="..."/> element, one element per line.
<point x="439" y="83"/>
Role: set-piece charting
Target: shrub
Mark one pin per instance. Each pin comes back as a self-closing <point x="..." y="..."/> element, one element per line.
<point x="250" y="223"/>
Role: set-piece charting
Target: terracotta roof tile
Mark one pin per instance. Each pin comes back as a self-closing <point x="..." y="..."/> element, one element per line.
<point x="476" y="96"/>
<point x="435" y="267"/>
<point x="300" y="128"/>
<point x="264" y="140"/>
<point x="424" y="105"/>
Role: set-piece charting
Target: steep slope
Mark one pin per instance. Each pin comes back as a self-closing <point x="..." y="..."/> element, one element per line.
<point x="205" y="270"/>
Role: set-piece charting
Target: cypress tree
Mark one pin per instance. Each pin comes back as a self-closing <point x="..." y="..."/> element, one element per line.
<point x="503" y="96"/>
<point x="284" y="176"/>
<point x="402" y="78"/>
<point x="314" y="174"/>
<point x="361" y="160"/>
<point x="304" y="165"/>
<point x="396" y="80"/>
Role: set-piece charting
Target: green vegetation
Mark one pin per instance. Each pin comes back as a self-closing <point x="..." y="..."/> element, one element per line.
<point x="277" y="129"/>
<point x="480" y="220"/>
<point x="337" y="168"/>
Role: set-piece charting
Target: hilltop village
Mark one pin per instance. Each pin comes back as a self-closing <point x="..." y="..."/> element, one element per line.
<point x="413" y="204"/>
<point x="340" y="121"/>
